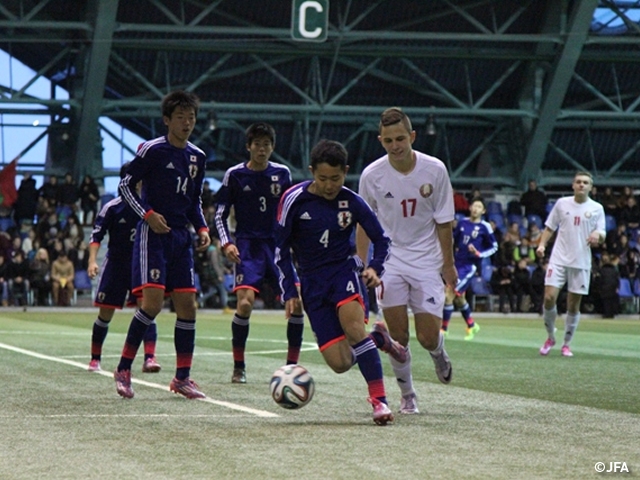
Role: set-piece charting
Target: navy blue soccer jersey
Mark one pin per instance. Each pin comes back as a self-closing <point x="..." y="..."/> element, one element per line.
<point x="480" y="235"/>
<point x="172" y="180"/>
<point x="119" y="220"/>
<point x="321" y="233"/>
<point x="254" y="196"/>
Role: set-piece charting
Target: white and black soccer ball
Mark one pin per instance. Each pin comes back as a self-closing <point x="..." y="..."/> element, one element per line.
<point x="292" y="386"/>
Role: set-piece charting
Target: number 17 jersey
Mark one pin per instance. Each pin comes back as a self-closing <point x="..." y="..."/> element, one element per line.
<point x="408" y="207"/>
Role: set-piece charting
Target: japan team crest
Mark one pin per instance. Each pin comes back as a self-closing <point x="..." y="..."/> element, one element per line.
<point x="101" y="296"/>
<point x="344" y="219"/>
<point x="193" y="171"/>
<point x="426" y="190"/>
<point x="276" y="189"/>
<point x="154" y="273"/>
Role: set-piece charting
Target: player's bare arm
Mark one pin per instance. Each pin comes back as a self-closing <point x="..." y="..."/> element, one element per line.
<point x="362" y="243"/>
<point x="370" y="277"/>
<point x="231" y="252"/>
<point x="544" y="238"/>
<point x="92" y="267"/>
<point x="157" y="223"/>
<point x="204" y="241"/>
<point x="445" y="237"/>
<point x="292" y="306"/>
<point x="596" y="238"/>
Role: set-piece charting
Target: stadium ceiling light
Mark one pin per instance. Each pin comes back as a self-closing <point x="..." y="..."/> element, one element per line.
<point x="430" y="129"/>
<point x="212" y="123"/>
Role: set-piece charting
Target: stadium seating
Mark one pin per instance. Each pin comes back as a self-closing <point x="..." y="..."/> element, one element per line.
<point x="610" y="223"/>
<point x="498" y="219"/>
<point x="481" y="294"/>
<point x="494" y="207"/>
<point x="532" y="218"/>
<point x="628" y="300"/>
<point x="81" y="282"/>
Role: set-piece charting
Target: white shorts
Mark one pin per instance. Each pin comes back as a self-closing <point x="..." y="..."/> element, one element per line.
<point x="423" y="294"/>
<point x="577" y="279"/>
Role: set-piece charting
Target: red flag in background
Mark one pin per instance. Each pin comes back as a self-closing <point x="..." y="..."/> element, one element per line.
<point x="8" y="192"/>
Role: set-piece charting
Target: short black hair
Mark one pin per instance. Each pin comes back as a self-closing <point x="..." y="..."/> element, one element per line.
<point x="329" y="152"/>
<point x="179" y="98"/>
<point x="260" y="129"/>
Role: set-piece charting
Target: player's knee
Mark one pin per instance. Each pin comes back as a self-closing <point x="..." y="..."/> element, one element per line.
<point x="428" y="340"/>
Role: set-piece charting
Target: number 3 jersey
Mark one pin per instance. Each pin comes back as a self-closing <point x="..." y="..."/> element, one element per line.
<point x="408" y="207"/>
<point x="172" y="180"/>
<point x="321" y="234"/>
<point x="254" y="194"/>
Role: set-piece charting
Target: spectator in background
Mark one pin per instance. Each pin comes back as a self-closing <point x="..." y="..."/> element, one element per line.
<point x="72" y="233"/>
<point x="208" y="204"/>
<point x="18" y="272"/>
<point x="27" y="201"/>
<point x="502" y="285"/>
<point x="62" y="274"/>
<point x="474" y="195"/>
<point x="534" y="201"/>
<point x="4" y="281"/>
<point x="49" y="191"/>
<point x="68" y="193"/>
<point x="89" y="196"/>
<point x="630" y="213"/>
<point x="625" y="193"/>
<point x="537" y="286"/>
<point x="608" y="283"/>
<point x="510" y="242"/>
<point x="609" y="202"/>
<point x="521" y="284"/>
<point x="40" y="276"/>
<point x="613" y="238"/>
<point x="460" y="203"/>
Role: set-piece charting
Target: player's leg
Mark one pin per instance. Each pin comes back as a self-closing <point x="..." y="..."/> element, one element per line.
<point x="148" y="278"/>
<point x="578" y="285"/>
<point x="554" y="280"/>
<point x="180" y="274"/>
<point x="240" y="332"/>
<point x="447" y="311"/>
<point x="295" y="323"/>
<point x="351" y="316"/>
<point x="184" y="340"/>
<point x="98" y="336"/>
<point x="110" y="295"/>
<point x="150" y="364"/>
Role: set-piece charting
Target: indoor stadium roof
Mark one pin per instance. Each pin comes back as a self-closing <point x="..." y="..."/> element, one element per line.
<point x="500" y="90"/>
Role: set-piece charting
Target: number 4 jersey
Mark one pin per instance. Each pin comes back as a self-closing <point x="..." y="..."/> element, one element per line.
<point x="408" y="207"/>
<point x="321" y="234"/>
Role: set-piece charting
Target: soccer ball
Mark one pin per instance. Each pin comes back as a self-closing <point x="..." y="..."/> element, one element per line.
<point x="292" y="386"/>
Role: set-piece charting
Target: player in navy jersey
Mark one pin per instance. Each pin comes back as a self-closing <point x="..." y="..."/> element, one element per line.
<point x="254" y="189"/>
<point x="172" y="172"/>
<point x="317" y="219"/>
<point x="473" y="240"/>
<point x="118" y="220"/>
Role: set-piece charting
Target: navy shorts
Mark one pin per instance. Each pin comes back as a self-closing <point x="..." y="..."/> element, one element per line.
<point x="162" y="260"/>
<point x="466" y="272"/>
<point x="114" y="284"/>
<point x="257" y="264"/>
<point x="322" y="294"/>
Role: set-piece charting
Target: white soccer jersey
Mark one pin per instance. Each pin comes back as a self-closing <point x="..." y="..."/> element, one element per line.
<point x="408" y="207"/>
<point x="574" y="222"/>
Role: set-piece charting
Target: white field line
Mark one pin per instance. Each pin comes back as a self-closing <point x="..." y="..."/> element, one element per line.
<point x="232" y="406"/>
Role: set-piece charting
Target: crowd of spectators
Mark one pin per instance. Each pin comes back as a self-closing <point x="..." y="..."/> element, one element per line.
<point x="518" y="275"/>
<point x="43" y="244"/>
